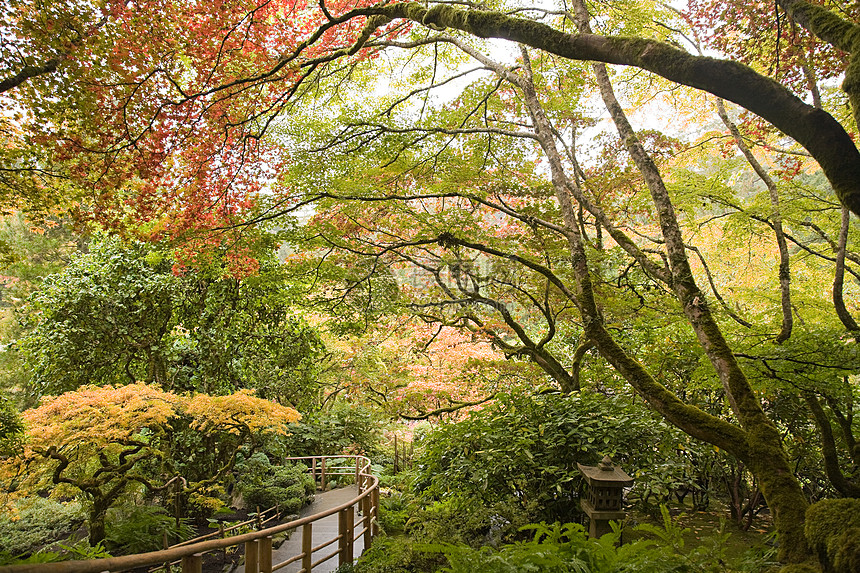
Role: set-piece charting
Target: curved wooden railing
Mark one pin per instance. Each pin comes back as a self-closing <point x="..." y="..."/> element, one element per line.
<point x="258" y="544"/>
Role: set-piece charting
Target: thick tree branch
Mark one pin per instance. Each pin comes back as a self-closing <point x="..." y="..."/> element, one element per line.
<point x="27" y="72"/>
<point x="839" y="277"/>
<point x="828" y="448"/>
<point x="814" y="129"/>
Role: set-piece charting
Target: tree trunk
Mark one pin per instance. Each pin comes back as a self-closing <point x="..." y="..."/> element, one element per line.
<point x="756" y="442"/>
<point x="761" y="449"/>
<point x="98" y="513"/>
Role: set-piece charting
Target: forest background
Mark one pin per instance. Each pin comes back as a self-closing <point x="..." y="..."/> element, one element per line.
<point x="373" y="211"/>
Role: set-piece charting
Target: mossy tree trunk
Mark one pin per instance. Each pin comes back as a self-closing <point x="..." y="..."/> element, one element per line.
<point x="96" y="521"/>
<point x="756" y="440"/>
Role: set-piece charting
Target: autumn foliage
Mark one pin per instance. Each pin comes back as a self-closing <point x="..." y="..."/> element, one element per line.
<point x="165" y="104"/>
<point x="99" y="441"/>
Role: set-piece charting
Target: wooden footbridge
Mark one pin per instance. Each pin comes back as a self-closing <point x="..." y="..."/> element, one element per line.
<point x="331" y="532"/>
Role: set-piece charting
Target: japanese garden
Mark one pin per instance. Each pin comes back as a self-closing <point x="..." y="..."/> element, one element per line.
<point x="539" y="287"/>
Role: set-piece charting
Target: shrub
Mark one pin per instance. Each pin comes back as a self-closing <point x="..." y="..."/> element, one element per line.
<point x="393" y="512"/>
<point x="37" y="522"/>
<point x="567" y="549"/>
<point x="138" y="529"/>
<point x="264" y="485"/>
<point x="342" y="429"/>
<point x="459" y="519"/>
<point x="11" y="426"/>
<point x="523" y="451"/>
<point x="398" y="555"/>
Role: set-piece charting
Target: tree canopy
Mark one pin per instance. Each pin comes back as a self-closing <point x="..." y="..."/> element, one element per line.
<point x="119" y="314"/>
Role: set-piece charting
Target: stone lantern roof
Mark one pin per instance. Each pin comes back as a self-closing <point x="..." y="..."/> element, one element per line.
<point x="605" y="475"/>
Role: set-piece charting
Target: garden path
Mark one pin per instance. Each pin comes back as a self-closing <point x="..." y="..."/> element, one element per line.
<point x="323" y="530"/>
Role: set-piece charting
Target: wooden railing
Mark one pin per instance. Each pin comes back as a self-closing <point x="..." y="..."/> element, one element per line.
<point x="258" y="544"/>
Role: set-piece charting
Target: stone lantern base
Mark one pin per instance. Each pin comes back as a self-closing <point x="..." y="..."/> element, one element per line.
<point x="599" y="520"/>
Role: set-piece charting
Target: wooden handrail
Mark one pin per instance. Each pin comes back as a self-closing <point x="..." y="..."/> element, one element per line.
<point x="368" y="486"/>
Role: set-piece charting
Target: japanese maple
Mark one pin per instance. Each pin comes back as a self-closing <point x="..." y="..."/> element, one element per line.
<point x="99" y="442"/>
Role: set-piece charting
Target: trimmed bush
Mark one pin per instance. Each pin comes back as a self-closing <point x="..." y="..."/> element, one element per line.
<point x="264" y="485"/>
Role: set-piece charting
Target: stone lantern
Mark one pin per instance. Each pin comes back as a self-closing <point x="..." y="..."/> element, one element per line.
<point x="605" y="491"/>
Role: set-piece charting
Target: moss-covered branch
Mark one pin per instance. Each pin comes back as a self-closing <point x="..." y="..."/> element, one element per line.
<point x="813" y="128"/>
<point x="823" y="23"/>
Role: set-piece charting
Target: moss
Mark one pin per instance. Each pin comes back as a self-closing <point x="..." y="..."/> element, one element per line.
<point x="830" y="517"/>
<point x="833" y="530"/>
<point x="845" y="550"/>
<point x="784" y="497"/>
<point x="800" y="568"/>
<point x="824" y="23"/>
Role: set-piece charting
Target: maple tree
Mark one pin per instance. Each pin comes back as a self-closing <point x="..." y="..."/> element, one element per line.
<point x="489" y="251"/>
<point x="412" y="370"/>
<point x="101" y="441"/>
<point x="144" y="105"/>
<point x="185" y="92"/>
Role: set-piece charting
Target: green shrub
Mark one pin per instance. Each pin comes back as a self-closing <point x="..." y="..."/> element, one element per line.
<point x="38" y="522"/>
<point x="393" y="513"/>
<point x="11" y="426"/>
<point x="342" y="429"/>
<point x="458" y="519"/>
<point x="398" y="555"/>
<point x="41" y="556"/>
<point x="264" y="485"/>
<point x="138" y="529"/>
<point x="83" y="550"/>
<point x="524" y="449"/>
<point x="567" y="549"/>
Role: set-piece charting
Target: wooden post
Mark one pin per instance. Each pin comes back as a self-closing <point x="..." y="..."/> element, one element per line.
<point x="266" y="555"/>
<point x="192" y="563"/>
<point x="252" y="553"/>
<point x="374" y="502"/>
<point x="395" y="454"/>
<point x="322" y="474"/>
<point x="314" y="470"/>
<point x="357" y="461"/>
<point x="341" y="543"/>
<point x="307" y="547"/>
<point x="350" y="533"/>
<point x="366" y="520"/>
